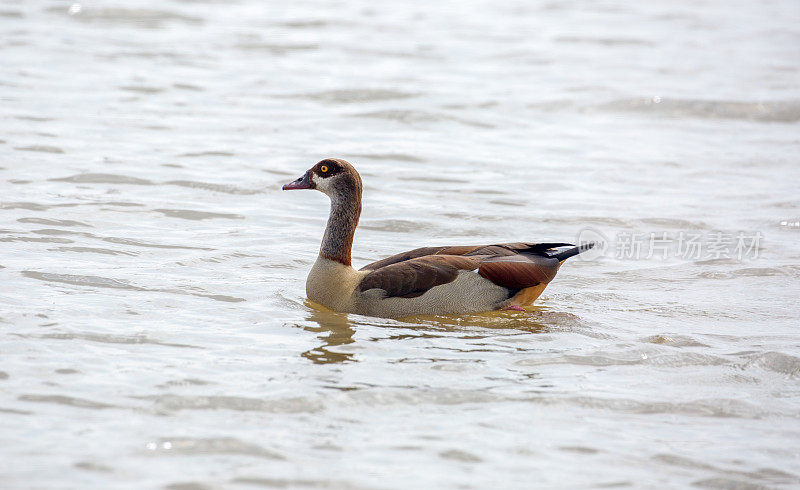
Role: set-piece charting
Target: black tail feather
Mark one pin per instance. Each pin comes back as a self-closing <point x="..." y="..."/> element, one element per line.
<point x="573" y="251"/>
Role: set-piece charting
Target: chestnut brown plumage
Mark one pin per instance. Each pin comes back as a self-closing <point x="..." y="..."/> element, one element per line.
<point x="428" y="280"/>
<point x="414" y="277"/>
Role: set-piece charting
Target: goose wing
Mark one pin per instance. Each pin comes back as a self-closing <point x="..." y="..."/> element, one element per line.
<point x="414" y="277"/>
<point x="497" y="249"/>
<point x="514" y="266"/>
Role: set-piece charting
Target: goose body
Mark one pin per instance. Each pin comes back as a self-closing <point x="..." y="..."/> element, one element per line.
<point x="424" y="281"/>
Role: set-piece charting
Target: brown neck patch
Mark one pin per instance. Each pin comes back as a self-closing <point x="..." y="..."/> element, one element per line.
<point x="337" y="243"/>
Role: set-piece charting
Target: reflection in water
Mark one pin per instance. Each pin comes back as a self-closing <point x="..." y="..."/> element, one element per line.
<point x="535" y="320"/>
<point x="334" y="329"/>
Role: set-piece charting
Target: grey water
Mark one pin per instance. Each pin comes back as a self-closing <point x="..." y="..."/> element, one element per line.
<point x="154" y="331"/>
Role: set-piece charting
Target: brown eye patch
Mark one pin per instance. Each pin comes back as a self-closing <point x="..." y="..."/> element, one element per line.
<point x="326" y="168"/>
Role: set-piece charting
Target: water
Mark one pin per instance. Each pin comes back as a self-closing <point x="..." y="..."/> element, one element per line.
<point x="154" y="328"/>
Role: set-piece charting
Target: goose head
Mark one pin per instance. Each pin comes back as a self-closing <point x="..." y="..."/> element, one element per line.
<point x="333" y="176"/>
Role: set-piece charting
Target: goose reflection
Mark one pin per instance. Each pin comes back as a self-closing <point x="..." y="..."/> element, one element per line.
<point x="334" y="330"/>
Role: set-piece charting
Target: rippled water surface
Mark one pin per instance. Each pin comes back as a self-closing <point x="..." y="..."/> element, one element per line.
<point x="153" y="323"/>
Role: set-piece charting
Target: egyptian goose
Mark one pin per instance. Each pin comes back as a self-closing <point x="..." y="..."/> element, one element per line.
<point x="428" y="280"/>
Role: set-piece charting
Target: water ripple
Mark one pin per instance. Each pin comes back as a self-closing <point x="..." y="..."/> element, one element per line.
<point x="105" y="282"/>
<point x="227" y="189"/>
<point x="349" y="96"/>
<point x="193" y="215"/>
<point x="40" y="148"/>
<point x="65" y="400"/>
<point x="137" y="17"/>
<point x="53" y="222"/>
<point x="779" y="111"/>
<point x="211" y="445"/>
<point x="109" y="339"/>
<point x="777" y="362"/>
<point x="173" y="403"/>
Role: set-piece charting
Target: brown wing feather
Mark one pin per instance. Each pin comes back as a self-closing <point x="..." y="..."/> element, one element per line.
<point x="414" y="277"/>
<point x="519" y="271"/>
<point x="511" y="265"/>
<point x="502" y="249"/>
<point x="418" y="252"/>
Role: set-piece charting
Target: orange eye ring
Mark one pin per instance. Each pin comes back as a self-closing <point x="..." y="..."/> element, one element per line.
<point x="324" y="168"/>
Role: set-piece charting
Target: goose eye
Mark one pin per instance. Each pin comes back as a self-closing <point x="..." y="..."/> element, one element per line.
<point x="324" y="168"/>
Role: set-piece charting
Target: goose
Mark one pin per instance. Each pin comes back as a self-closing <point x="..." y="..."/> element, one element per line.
<point x="424" y="281"/>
